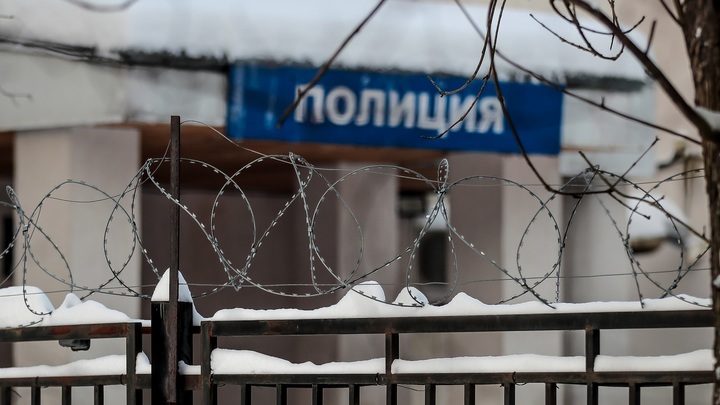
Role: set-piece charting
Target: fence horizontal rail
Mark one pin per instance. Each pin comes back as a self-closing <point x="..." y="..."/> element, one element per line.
<point x="582" y="373"/>
<point x="67" y="332"/>
<point x="471" y="323"/>
<point x="389" y="371"/>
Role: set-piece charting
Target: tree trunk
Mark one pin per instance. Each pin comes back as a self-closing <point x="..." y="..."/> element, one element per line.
<point x="712" y="177"/>
<point x="700" y="21"/>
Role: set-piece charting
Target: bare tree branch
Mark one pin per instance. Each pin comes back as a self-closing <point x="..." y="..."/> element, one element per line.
<point x="326" y="66"/>
<point x="589" y="47"/>
<point x="465" y="114"/>
<point x="669" y="11"/>
<point x="578" y="46"/>
<point x="677" y="99"/>
<point x="569" y="93"/>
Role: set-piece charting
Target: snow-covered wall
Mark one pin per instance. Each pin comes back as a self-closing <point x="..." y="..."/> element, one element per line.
<point x="406" y="35"/>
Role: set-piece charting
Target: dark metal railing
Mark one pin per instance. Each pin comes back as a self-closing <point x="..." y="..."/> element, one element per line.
<point x="131" y="332"/>
<point x="392" y="328"/>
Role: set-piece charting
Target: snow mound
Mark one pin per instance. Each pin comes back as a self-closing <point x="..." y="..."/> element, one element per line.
<point x="162" y="294"/>
<point x="366" y="301"/>
<point x="227" y="361"/>
<point x="20" y="307"/>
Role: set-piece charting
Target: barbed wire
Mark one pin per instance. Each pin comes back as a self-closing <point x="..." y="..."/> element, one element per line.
<point x="382" y="284"/>
<point x="122" y="218"/>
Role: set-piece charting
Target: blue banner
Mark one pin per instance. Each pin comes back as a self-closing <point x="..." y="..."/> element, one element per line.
<point x="390" y="109"/>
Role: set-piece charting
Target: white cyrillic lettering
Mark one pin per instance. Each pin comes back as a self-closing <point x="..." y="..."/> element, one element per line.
<point x="458" y="109"/>
<point x="377" y="98"/>
<point x="491" y="115"/>
<point x="317" y="93"/>
<point x="437" y="121"/>
<point x="337" y="96"/>
<point x="401" y="110"/>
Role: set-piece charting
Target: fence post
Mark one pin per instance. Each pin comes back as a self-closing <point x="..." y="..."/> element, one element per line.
<point x="469" y="397"/>
<point x="133" y="347"/>
<point x="392" y="353"/>
<point x="550" y="394"/>
<point x="162" y="346"/>
<point x="353" y="394"/>
<point x="430" y="394"/>
<point x="209" y="343"/>
<point x="592" y="349"/>
<point x="172" y="321"/>
<point x="508" y="393"/>
<point x="678" y="393"/>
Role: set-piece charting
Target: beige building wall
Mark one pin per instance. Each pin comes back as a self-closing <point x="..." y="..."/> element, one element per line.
<point x="74" y="219"/>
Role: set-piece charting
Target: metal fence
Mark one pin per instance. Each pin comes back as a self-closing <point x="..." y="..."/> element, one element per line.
<point x="208" y="381"/>
<point x="172" y="333"/>
<point x="392" y="328"/>
<point x="77" y="336"/>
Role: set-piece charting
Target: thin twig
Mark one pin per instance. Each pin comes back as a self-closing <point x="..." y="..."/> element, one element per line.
<point x="569" y="93"/>
<point x="675" y="97"/>
<point x="670" y="12"/>
<point x="650" y="36"/>
<point x="326" y="66"/>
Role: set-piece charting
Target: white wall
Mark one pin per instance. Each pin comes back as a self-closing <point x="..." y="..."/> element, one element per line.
<point x="66" y="93"/>
<point x="63" y="92"/>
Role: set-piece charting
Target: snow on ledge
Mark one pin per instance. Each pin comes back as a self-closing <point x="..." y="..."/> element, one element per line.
<point x="365" y="300"/>
<point x="106" y="365"/>
<point x="238" y="362"/>
<point x="522" y="363"/>
<point x="356" y="304"/>
<point x="14" y="308"/>
<point x="227" y="361"/>
<point x="14" y="311"/>
<point x="699" y="360"/>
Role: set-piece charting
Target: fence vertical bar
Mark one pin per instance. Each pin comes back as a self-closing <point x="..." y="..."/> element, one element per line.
<point x="281" y="394"/>
<point x="469" y="394"/>
<point x="392" y="353"/>
<point x="66" y="395"/>
<point x="634" y="394"/>
<point x="678" y="393"/>
<point x="245" y="395"/>
<point x="35" y="396"/>
<point x="550" y="394"/>
<point x="509" y="396"/>
<point x="5" y="395"/>
<point x="209" y="343"/>
<point x="430" y="394"/>
<point x="353" y="394"/>
<point x="317" y="394"/>
<point x="133" y="347"/>
<point x="592" y="349"/>
<point x="99" y="395"/>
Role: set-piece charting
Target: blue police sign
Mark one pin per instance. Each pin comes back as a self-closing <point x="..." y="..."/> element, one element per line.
<point x="390" y="109"/>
